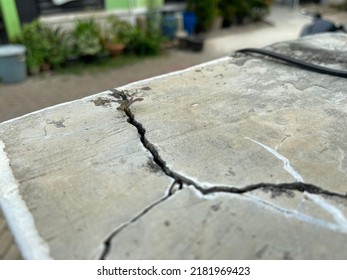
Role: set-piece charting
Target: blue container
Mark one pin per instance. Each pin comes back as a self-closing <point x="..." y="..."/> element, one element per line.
<point x="169" y="26"/>
<point x="12" y="64"/>
<point x="189" y="22"/>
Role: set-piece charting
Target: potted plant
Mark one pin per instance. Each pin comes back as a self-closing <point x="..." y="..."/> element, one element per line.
<point x="205" y="11"/>
<point x="260" y="9"/>
<point x="115" y="35"/>
<point x="88" y="39"/>
<point x="31" y="36"/>
<point x="56" y="46"/>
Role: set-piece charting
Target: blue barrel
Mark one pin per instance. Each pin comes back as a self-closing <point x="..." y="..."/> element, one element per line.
<point x="169" y="26"/>
<point x="12" y="64"/>
<point x="189" y="22"/>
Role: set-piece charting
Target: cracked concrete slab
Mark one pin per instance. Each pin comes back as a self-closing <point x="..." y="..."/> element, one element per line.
<point x="80" y="172"/>
<point x="247" y="119"/>
<point x="228" y="226"/>
<point x="242" y="157"/>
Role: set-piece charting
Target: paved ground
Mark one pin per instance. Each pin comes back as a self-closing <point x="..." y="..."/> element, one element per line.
<point x="40" y="92"/>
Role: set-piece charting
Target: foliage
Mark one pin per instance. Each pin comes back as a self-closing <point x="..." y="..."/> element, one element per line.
<point x="205" y="11"/>
<point x="88" y="38"/>
<point x="53" y="46"/>
<point x="149" y="41"/>
<point x="31" y="37"/>
<point x="116" y="30"/>
<point x="238" y="10"/>
<point x="57" y="48"/>
<point x="142" y="43"/>
<point x="43" y="44"/>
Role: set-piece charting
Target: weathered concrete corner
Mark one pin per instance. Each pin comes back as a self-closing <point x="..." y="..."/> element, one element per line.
<point x="82" y="173"/>
<point x="243" y="157"/>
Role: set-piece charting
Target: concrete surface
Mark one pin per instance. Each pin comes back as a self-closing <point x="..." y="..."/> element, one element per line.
<point x="47" y="90"/>
<point x="241" y="158"/>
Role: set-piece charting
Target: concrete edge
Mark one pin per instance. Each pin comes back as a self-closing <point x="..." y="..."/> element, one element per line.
<point x="127" y="86"/>
<point x="175" y="73"/>
<point x="17" y="214"/>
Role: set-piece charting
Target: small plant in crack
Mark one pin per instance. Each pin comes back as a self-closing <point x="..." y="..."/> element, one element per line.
<point x="124" y="99"/>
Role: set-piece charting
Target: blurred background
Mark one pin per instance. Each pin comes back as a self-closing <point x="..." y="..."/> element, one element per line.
<point x="54" y="51"/>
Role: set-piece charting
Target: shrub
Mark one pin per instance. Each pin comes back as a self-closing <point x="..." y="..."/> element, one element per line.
<point x="43" y="45"/>
<point x="205" y="11"/>
<point x="88" y="38"/>
<point x="237" y="10"/>
<point x="31" y="36"/>
<point x="116" y="30"/>
<point x="141" y="43"/>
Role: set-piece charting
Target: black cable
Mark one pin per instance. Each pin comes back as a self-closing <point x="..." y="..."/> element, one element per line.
<point x="297" y="62"/>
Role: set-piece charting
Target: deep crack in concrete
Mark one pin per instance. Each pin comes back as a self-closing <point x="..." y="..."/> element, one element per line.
<point x="107" y="242"/>
<point x="181" y="180"/>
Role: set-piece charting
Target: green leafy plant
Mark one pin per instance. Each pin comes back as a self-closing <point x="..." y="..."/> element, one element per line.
<point x="44" y="45"/>
<point x="141" y="43"/>
<point x="205" y="10"/>
<point x="88" y="38"/>
<point x="31" y="36"/>
<point x="236" y="11"/>
<point x="116" y="30"/>
<point x="57" y="46"/>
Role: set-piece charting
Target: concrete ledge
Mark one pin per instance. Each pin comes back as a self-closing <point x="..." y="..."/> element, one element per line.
<point x="241" y="158"/>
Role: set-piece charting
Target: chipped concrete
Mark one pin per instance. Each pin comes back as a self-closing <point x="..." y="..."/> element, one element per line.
<point x="242" y="158"/>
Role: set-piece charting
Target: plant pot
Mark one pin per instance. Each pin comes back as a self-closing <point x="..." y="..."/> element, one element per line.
<point x="34" y="70"/>
<point x="226" y="23"/>
<point x="71" y="60"/>
<point x="196" y="44"/>
<point x="169" y="26"/>
<point x="46" y="67"/>
<point x="88" y="58"/>
<point x="115" y="49"/>
<point x="182" y="38"/>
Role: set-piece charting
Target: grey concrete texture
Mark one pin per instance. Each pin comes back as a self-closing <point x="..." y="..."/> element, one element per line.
<point x="50" y="89"/>
<point x="239" y="158"/>
<point x="85" y="181"/>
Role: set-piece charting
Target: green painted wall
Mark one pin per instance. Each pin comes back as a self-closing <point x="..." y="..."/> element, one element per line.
<point x="10" y="16"/>
<point x="116" y="4"/>
<point x="124" y="4"/>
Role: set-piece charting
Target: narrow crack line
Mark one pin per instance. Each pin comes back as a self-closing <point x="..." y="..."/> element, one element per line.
<point x="108" y="241"/>
<point x="184" y="181"/>
<point x="180" y="179"/>
<point x="296" y="186"/>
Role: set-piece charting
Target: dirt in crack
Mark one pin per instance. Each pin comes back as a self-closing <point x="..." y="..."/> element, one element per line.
<point x="178" y="178"/>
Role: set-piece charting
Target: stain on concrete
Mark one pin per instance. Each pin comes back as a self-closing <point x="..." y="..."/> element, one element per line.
<point x="152" y="166"/>
<point x="58" y="124"/>
<point x="102" y="101"/>
<point x="147" y="88"/>
<point x="260" y="253"/>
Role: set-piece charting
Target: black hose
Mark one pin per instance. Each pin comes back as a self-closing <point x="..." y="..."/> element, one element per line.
<point x="297" y="62"/>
